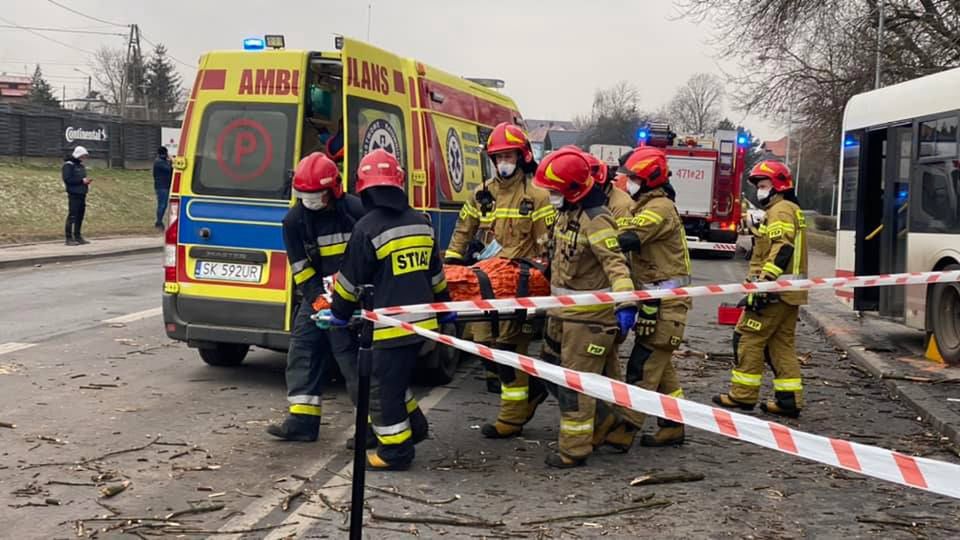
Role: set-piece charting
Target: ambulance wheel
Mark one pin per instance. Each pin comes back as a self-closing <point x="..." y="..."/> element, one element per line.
<point x="945" y="318"/>
<point x="224" y="354"/>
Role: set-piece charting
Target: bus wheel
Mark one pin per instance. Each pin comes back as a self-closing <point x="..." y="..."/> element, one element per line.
<point x="224" y="354"/>
<point x="945" y="318"/>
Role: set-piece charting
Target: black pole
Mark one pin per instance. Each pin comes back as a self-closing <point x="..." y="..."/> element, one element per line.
<point x="364" y="360"/>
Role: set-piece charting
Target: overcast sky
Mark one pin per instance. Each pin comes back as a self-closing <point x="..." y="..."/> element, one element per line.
<point x="553" y="55"/>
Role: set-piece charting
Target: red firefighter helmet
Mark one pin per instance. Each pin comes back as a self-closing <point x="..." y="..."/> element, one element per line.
<point x="565" y="171"/>
<point x="598" y="169"/>
<point x="315" y="173"/>
<point x="649" y="165"/>
<point x="379" y="168"/>
<point x="775" y="171"/>
<point x="507" y="137"/>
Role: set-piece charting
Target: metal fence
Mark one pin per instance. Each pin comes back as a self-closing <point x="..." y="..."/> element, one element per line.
<point x="38" y="132"/>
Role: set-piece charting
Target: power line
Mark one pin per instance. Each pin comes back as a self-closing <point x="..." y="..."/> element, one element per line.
<point x="82" y="14"/>
<point x="172" y="57"/>
<point x="66" y="30"/>
<point x="46" y="37"/>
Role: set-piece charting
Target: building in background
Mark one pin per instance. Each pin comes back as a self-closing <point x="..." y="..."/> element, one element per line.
<point x="14" y="88"/>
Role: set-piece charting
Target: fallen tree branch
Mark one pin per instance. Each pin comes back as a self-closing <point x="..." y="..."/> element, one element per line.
<point x="200" y="509"/>
<point x="93" y="459"/>
<point x="285" y="505"/>
<point x="588" y="515"/>
<point x="8" y="425"/>
<point x="229" y="532"/>
<point x="675" y="477"/>
<point x="454" y="498"/>
<point x="434" y="520"/>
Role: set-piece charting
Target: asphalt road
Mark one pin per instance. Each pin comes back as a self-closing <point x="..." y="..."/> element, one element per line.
<point x="100" y="397"/>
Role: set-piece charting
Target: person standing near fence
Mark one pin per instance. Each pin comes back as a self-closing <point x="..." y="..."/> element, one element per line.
<point x="77" y="184"/>
<point x="162" y="174"/>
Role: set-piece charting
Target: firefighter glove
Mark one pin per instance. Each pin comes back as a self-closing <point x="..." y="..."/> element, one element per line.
<point x="647" y="320"/>
<point x="454" y="260"/>
<point x="629" y="241"/>
<point x="626" y="318"/>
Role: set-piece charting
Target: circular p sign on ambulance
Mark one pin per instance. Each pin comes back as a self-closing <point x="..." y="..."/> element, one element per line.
<point x="244" y="150"/>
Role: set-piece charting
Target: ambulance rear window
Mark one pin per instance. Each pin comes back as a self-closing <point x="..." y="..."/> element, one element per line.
<point x="245" y="150"/>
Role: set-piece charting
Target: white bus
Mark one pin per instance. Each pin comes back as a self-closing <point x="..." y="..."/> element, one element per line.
<point x="899" y="202"/>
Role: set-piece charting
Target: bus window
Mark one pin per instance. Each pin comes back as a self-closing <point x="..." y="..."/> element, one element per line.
<point x="938" y="138"/>
<point x="245" y="150"/>
<point x="851" y="176"/>
<point x="938" y="189"/>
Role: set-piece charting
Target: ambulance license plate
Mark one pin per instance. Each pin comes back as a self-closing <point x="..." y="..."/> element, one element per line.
<point x="224" y="271"/>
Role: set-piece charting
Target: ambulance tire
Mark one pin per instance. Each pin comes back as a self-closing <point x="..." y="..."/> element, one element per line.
<point x="224" y="354"/>
<point x="440" y="366"/>
<point x="944" y="305"/>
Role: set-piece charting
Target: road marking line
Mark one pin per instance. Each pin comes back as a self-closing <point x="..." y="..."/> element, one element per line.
<point x="131" y="317"/>
<point x="336" y="495"/>
<point x="13" y="346"/>
<point x="256" y="512"/>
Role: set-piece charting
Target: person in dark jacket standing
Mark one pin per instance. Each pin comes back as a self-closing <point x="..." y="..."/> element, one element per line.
<point x="162" y="173"/>
<point x="77" y="184"/>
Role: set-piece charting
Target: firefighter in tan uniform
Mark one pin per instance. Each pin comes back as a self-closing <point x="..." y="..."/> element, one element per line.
<point x="585" y="257"/>
<point x="618" y="201"/>
<point x="770" y="319"/>
<point x="655" y="243"/>
<point x="514" y="220"/>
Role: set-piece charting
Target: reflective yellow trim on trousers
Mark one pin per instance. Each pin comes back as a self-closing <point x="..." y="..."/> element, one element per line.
<point x="412" y="405"/>
<point x="571" y="427"/>
<point x="788" y="385"/>
<point x="299" y="408"/>
<point x="514" y="393"/>
<point x="745" y="379"/>
<point x="343" y="292"/>
<point x="678" y="393"/>
<point x="399" y="438"/>
<point x="381" y="334"/>
<point x="304" y="275"/>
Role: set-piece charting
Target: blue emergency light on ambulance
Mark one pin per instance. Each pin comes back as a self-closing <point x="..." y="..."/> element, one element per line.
<point x="254" y="44"/>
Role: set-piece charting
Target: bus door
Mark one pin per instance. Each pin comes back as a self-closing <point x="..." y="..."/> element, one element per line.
<point x="869" y="214"/>
<point x="893" y="237"/>
<point x="376" y="101"/>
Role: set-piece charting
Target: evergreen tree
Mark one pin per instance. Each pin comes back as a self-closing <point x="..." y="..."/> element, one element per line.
<point x="163" y="83"/>
<point x="41" y="92"/>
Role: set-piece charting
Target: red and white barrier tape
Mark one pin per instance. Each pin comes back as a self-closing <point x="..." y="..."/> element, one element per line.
<point x="921" y="473"/>
<point x="590" y="299"/>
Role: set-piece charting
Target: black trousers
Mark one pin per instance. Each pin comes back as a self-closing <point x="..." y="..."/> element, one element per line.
<point x="76" y="208"/>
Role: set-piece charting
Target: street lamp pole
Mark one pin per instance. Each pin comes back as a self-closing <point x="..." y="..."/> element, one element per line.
<point x="876" y="78"/>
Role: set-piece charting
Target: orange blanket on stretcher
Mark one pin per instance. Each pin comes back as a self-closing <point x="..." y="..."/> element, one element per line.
<point x="497" y="278"/>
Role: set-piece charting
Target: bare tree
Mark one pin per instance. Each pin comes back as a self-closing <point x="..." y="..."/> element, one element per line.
<point x="614" y="116"/>
<point x="696" y="107"/>
<point x="109" y="71"/>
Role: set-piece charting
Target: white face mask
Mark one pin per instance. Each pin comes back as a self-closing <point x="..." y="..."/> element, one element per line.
<point x="314" y="203"/>
<point x="632" y="187"/>
<point x="556" y="199"/>
<point x="506" y="169"/>
<point x="762" y="194"/>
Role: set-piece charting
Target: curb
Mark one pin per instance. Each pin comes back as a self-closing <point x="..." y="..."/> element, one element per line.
<point x="17" y="263"/>
<point x="940" y="417"/>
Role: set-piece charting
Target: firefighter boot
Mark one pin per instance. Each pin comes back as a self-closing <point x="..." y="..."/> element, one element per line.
<point x="607" y="422"/>
<point x="492" y="377"/>
<point x="560" y="461"/>
<point x="500" y="430"/>
<point x="297" y="427"/>
<point x="669" y="434"/>
<point x="371" y="439"/>
<point x="621" y="437"/>
<point x="377" y="463"/>
<point x="727" y="402"/>
<point x="783" y="404"/>
<point x="419" y="425"/>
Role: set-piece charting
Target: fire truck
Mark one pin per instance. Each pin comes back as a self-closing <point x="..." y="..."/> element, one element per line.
<point x="705" y="172"/>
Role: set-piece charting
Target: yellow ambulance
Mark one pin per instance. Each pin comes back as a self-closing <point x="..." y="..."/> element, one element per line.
<point x="251" y="115"/>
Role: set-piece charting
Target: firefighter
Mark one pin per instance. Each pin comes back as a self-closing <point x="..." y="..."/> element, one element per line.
<point x="315" y="233"/>
<point x="585" y="257"/>
<point x="514" y="219"/>
<point x="618" y="201"/>
<point x="770" y="319"/>
<point x="655" y="243"/>
<point x="392" y="248"/>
